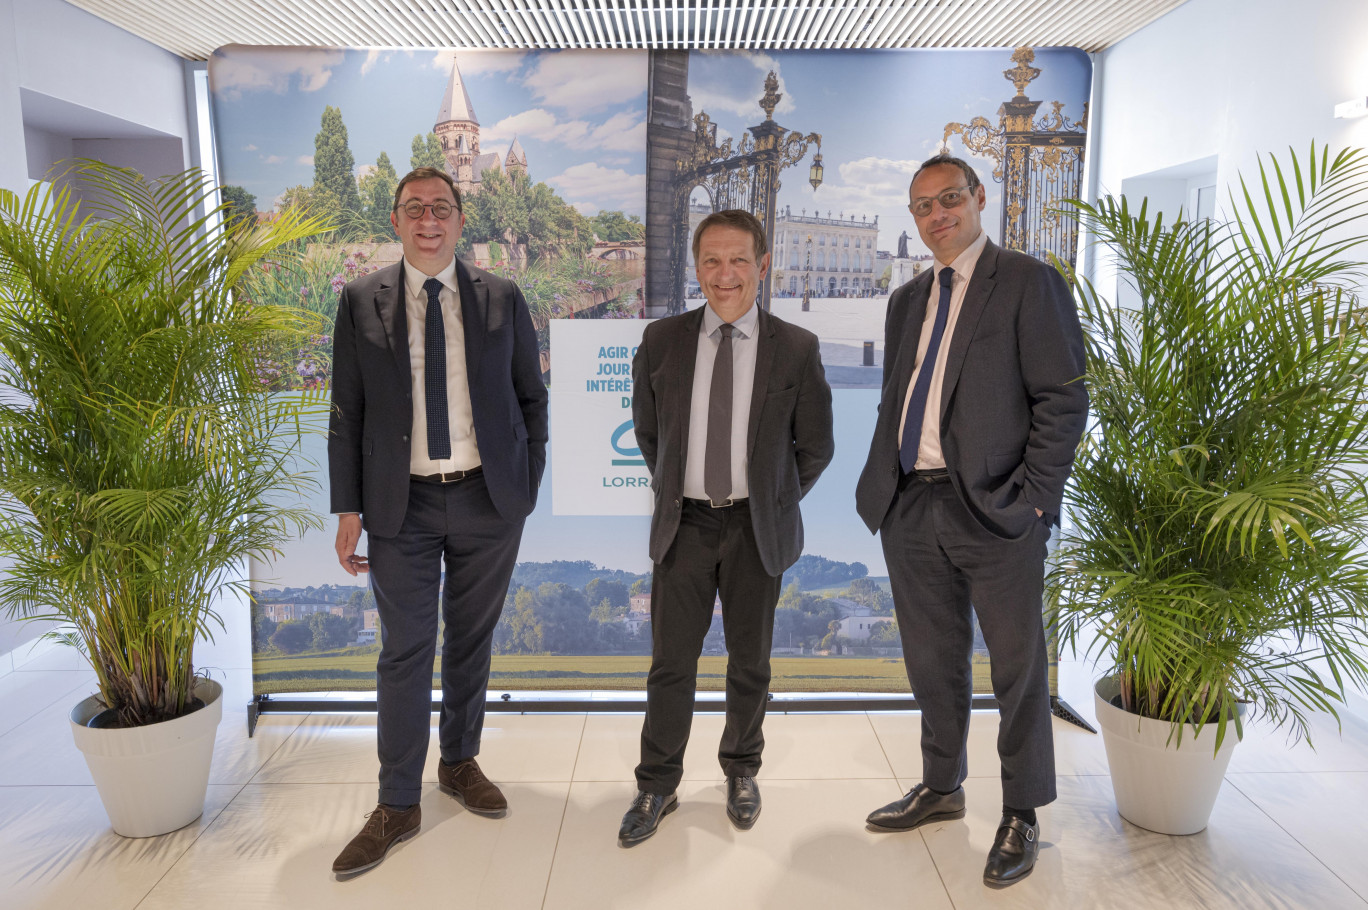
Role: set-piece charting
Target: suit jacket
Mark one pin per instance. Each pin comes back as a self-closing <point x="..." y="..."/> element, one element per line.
<point x="789" y="441"/>
<point x="1013" y="404"/>
<point x="372" y="396"/>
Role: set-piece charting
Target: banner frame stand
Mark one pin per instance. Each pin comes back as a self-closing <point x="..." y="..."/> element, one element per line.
<point x="506" y="704"/>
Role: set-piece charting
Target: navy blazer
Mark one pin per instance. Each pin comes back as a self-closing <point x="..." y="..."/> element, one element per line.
<point x="788" y="443"/>
<point x="372" y="396"/>
<point x="1013" y="404"/>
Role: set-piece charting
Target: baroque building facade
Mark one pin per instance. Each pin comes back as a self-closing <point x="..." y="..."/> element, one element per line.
<point x="832" y="257"/>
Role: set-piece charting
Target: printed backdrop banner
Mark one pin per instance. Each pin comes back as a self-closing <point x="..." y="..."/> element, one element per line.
<point x="583" y="174"/>
<point x="598" y="469"/>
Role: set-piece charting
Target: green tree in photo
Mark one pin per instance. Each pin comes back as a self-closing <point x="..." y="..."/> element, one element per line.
<point x="241" y="204"/>
<point x="617" y="227"/>
<point x="292" y="637"/>
<point x="329" y="631"/>
<point x="605" y="612"/>
<point x="263" y="627"/>
<point x="615" y="592"/>
<point x="884" y="635"/>
<point x="334" y="166"/>
<point x="427" y="152"/>
<point x="377" y="198"/>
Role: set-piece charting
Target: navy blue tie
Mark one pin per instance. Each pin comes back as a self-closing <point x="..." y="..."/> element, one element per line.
<point x="916" y="405"/>
<point x="434" y="374"/>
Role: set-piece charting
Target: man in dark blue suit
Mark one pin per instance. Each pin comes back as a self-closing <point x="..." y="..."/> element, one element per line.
<point x="982" y="409"/>
<point x="436" y="446"/>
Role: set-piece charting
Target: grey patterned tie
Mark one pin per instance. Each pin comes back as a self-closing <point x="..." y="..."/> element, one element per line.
<point x="717" y="479"/>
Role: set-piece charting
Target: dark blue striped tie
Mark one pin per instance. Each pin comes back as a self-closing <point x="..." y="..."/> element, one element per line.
<point x="434" y="374"/>
<point x="916" y="406"/>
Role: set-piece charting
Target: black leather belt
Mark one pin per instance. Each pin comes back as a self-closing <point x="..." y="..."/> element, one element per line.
<point x="709" y="504"/>
<point x="937" y="475"/>
<point x="448" y="477"/>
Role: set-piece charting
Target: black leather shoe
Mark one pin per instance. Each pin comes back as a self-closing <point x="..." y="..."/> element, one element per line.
<point x="644" y="817"/>
<point x="1014" y="852"/>
<point x="920" y="806"/>
<point x="743" y="801"/>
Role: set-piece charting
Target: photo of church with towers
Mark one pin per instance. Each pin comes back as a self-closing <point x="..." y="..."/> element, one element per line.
<point x="459" y="132"/>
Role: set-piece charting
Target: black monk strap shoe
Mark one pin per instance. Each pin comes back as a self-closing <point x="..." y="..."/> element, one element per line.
<point x="1014" y="852"/>
<point x="920" y="806"/>
<point x="384" y="828"/>
<point x="743" y="801"/>
<point x="465" y="781"/>
<point x="644" y="817"/>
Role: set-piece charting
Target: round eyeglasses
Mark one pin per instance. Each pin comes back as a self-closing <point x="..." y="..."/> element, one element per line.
<point x="440" y="210"/>
<point x="949" y="199"/>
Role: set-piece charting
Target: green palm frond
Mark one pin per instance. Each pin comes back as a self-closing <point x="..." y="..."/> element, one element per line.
<point x="141" y="461"/>
<point x="1219" y="499"/>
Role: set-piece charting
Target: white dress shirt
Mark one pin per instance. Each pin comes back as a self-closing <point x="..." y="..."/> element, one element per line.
<point x="465" y="454"/>
<point x="743" y="380"/>
<point x="929" y="454"/>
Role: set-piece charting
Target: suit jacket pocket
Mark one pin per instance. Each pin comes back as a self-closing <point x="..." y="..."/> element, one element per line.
<point x="1002" y="465"/>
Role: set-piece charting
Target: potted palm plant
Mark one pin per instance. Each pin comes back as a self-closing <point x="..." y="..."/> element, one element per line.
<point x="1214" y="563"/>
<point x="140" y="461"/>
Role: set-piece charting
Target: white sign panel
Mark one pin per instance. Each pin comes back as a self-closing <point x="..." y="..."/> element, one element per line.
<point x="596" y="467"/>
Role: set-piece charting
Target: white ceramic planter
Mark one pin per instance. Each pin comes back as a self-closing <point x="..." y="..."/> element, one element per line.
<point x="1158" y="786"/>
<point x="152" y="779"/>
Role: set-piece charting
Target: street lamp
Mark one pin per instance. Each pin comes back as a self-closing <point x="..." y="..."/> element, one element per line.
<point x="816" y="171"/>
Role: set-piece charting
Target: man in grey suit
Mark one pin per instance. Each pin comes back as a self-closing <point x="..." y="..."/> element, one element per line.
<point x="436" y="445"/>
<point x="982" y="409"/>
<point x="733" y="416"/>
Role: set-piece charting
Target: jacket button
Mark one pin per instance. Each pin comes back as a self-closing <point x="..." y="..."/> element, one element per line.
<point x="406" y="438"/>
<point x="677" y="503"/>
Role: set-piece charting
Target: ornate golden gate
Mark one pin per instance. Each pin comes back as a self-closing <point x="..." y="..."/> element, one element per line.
<point x="742" y="177"/>
<point x="1039" y="164"/>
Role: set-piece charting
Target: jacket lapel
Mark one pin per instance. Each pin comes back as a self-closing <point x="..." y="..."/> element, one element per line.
<point x="975" y="301"/>
<point x="686" y="350"/>
<point x="474" y="317"/>
<point x="390" y="310"/>
<point x="764" y="358"/>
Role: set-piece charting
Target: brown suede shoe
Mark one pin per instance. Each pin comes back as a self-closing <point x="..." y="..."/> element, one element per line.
<point x="384" y="828"/>
<point x="465" y="781"/>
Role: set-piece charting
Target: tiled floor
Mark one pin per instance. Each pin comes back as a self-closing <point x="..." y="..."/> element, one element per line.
<point x="1289" y="827"/>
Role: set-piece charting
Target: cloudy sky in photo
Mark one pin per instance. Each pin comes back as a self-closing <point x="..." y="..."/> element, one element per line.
<point x="580" y="115"/>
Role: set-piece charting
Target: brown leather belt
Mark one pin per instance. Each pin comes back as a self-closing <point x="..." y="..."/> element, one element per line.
<point x="448" y="477"/>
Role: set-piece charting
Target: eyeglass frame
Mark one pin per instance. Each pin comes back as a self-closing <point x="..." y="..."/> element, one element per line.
<point x="940" y="197"/>
<point x="451" y="207"/>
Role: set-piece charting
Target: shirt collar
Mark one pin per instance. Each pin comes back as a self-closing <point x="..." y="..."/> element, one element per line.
<point x="964" y="263"/>
<point x="414" y="278"/>
<point x="745" y="326"/>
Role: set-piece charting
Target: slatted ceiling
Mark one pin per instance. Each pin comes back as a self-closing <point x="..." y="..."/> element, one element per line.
<point x="194" y="28"/>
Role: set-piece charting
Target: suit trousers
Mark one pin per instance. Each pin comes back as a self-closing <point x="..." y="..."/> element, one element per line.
<point x="940" y="561"/>
<point x="713" y="554"/>
<point x="455" y="524"/>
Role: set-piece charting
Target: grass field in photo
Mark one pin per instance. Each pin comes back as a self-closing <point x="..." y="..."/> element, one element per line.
<point x="354" y="670"/>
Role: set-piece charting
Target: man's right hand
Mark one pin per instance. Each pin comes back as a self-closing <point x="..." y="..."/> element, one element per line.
<point x="348" y="535"/>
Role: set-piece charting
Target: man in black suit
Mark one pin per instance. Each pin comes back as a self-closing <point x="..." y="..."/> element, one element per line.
<point x="982" y="409"/>
<point x="733" y="416"/>
<point x="436" y="446"/>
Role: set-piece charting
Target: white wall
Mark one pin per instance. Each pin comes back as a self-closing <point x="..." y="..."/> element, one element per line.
<point x="67" y="75"/>
<point x="72" y="84"/>
<point x="1231" y="79"/>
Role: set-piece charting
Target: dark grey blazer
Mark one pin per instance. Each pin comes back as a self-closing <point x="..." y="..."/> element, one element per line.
<point x="789" y="441"/>
<point x="1013" y="406"/>
<point x="372" y="396"/>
